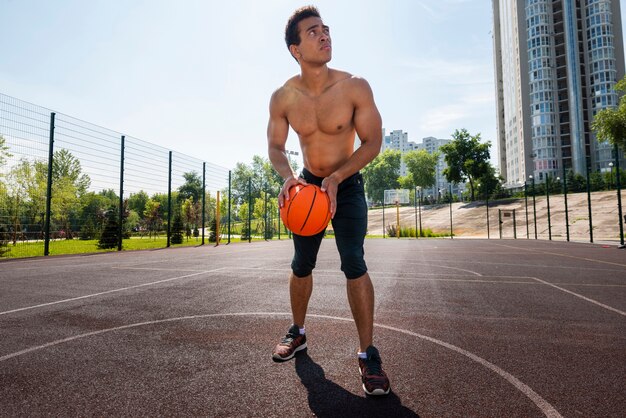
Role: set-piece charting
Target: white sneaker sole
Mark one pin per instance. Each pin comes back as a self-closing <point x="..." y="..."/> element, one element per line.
<point x="375" y="392"/>
<point x="276" y="357"/>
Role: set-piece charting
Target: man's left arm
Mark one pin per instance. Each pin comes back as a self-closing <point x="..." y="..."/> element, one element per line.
<point x="368" y="125"/>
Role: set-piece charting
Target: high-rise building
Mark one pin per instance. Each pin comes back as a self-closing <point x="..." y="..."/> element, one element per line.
<point x="398" y="140"/>
<point x="441" y="186"/>
<point x="556" y="63"/>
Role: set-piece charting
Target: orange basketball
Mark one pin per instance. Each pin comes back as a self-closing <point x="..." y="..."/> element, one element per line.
<point x="307" y="212"/>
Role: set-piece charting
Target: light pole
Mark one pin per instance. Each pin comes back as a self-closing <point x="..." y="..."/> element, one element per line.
<point x="611" y="175"/>
<point x="534" y="204"/>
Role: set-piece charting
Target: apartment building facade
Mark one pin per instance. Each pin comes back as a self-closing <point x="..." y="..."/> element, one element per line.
<point x="556" y="63"/>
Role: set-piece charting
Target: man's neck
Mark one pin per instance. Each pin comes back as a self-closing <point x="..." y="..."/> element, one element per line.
<point x="315" y="79"/>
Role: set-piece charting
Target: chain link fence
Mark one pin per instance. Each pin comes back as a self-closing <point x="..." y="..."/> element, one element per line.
<point x="69" y="186"/>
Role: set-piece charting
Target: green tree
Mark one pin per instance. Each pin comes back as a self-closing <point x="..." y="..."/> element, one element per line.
<point x="244" y="209"/>
<point x="137" y="202"/>
<point x="263" y="177"/>
<point x="152" y="217"/>
<point x="381" y="174"/>
<point x="4" y="152"/>
<point x="110" y="234"/>
<point x="190" y="213"/>
<point x="213" y="230"/>
<point x="610" y="124"/>
<point x="489" y="184"/>
<point x="66" y="166"/>
<point x="192" y="189"/>
<point x="177" y="230"/>
<point x="467" y="158"/>
<point x="93" y="209"/>
<point x="421" y="167"/>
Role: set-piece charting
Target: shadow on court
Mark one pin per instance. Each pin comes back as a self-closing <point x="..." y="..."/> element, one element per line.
<point x="328" y="399"/>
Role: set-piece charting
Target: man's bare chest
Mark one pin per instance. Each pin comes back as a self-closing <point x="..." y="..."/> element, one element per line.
<point x="330" y="114"/>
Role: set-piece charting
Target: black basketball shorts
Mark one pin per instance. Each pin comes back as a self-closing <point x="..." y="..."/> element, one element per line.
<point x="349" y="224"/>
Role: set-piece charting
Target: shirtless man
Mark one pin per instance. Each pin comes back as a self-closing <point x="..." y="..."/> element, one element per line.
<point x="326" y="107"/>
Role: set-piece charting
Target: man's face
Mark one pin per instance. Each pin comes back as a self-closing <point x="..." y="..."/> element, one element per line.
<point x="315" y="43"/>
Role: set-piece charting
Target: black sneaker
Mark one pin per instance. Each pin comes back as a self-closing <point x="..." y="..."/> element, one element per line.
<point x="290" y="345"/>
<point x="375" y="381"/>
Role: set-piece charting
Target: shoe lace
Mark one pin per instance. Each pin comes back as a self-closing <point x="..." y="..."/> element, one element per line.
<point x="288" y="339"/>
<point x="373" y="366"/>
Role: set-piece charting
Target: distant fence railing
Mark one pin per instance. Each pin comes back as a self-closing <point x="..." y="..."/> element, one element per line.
<point x="69" y="186"/>
<point x="560" y="212"/>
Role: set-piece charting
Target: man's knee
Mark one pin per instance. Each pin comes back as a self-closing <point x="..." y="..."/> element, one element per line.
<point x="353" y="264"/>
<point x="301" y="270"/>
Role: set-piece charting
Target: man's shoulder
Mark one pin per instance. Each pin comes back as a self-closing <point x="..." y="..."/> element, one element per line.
<point x="354" y="81"/>
<point x="286" y="90"/>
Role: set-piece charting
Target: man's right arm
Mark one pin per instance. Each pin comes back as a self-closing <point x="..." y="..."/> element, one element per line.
<point x="277" y="131"/>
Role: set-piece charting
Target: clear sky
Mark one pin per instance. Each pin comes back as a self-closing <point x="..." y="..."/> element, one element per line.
<point x="196" y="76"/>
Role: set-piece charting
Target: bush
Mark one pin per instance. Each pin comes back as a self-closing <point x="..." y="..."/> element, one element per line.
<point x="88" y="231"/>
<point x="411" y="232"/>
<point x="212" y="230"/>
<point x="4" y="243"/>
<point x="177" y="230"/>
<point x="110" y="234"/>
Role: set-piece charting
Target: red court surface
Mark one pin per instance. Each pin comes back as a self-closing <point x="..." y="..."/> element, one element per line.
<point x="499" y="328"/>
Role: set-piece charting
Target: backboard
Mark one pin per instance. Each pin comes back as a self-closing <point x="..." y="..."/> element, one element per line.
<point x="396" y="196"/>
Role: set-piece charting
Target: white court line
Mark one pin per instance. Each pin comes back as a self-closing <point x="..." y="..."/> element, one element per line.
<point x="568" y="256"/>
<point x="582" y="297"/>
<point x="545" y="407"/>
<point x="526" y="265"/>
<point x="156" y="269"/>
<point x="110" y="291"/>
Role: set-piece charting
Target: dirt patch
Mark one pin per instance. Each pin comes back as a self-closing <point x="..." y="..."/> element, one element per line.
<point x="470" y="219"/>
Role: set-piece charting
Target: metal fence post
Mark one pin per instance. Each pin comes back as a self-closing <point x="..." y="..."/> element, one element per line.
<point x="565" y="200"/>
<point x="46" y="250"/>
<point x="250" y="209"/>
<point x="383" y="217"/>
<point x="121" y="225"/>
<point x="548" y="205"/>
<point x="415" y="210"/>
<point x="169" y="200"/>
<point x="419" y="210"/>
<point x="229" y="203"/>
<point x="534" y="206"/>
<point x="203" y="199"/>
<point x="514" y="226"/>
<point x="450" y="197"/>
<point x="265" y="230"/>
<point x="618" y="186"/>
<point x="589" y="203"/>
<point x="487" y="206"/>
<point x="526" y="201"/>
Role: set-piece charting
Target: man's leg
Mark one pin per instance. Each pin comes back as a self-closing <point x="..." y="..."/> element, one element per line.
<point x="361" y="299"/>
<point x="299" y="292"/>
<point x="300" y="289"/>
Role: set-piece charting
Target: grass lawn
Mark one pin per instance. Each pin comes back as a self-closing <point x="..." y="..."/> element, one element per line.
<point x="76" y="246"/>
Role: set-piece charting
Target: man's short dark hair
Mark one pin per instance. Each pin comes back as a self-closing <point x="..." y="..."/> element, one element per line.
<point x="292" y="36"/>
